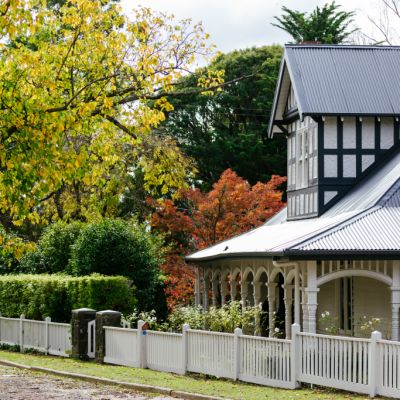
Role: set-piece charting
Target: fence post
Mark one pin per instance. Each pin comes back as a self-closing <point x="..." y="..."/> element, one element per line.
<point x="142" y="333"/>
<point x="295" y="355"/>
<point x="374" y="364"/>
<point x="0" y="326"/>
<point x="236" y="353"/>
<point x="21" y="333"/>
<point x="185" y="348"/>
<point x="47" y="320"/>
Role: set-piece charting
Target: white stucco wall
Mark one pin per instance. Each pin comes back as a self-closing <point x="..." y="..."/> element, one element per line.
<point x="330" y="133"/>
<point x="368" y="133"/>
<point x="372" y="299"/>
<point x="349" y="133"/>
<point x="387" y="133"/>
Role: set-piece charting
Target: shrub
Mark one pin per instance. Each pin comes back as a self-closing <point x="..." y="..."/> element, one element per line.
<point x="225" y="319"/>
<point x="233" y="315"/>
<point x="194" y="316"/>
<point x="39" y="296"/>
<point x="117" y="247"/>
<point x="53" y="251"/>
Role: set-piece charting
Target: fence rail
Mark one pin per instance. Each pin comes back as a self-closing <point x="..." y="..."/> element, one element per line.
<point x="46" y="336"/>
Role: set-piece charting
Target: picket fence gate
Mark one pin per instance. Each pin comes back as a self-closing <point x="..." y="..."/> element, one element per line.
<point x="48" y="337"/>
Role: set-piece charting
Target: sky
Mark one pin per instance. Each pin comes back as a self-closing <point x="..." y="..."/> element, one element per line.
<point x="236" y="24"/>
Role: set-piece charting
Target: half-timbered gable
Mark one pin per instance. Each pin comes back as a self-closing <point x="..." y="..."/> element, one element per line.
<point x="338" y="107"/>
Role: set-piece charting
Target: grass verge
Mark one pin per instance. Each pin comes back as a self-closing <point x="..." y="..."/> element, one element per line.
<point x="190" y="383"/>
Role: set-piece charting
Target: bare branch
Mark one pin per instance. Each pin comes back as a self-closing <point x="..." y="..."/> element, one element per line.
<point x="120" y="126"/>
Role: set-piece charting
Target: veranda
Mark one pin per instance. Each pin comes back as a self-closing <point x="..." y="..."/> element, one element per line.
<point x="300" y="291"/>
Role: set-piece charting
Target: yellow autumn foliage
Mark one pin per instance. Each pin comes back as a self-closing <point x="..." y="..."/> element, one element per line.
<point x="81" y="91"/>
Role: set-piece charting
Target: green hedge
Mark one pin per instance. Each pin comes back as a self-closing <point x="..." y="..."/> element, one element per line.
<point x="39" y="296"/>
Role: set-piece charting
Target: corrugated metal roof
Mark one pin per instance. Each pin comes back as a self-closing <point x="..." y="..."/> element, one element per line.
<point x="341" y="80"/>
<point x="366" y="219"/>
<point x="345" y="79"/>
<point x="377" y="229"/>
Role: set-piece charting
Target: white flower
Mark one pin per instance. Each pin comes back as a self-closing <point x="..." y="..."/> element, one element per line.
<point x="327" y="313"/>
<point x="276" y="330"/>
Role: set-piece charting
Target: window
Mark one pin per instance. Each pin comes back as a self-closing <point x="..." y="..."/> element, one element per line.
<point x="305" y="145"/>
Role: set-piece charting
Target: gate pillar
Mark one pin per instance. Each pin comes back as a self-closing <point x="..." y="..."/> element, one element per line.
<point x="79" y="331"/>
<point x="104" y="318"/>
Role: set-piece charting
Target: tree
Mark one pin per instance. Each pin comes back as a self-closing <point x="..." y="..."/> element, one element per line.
<point x="81" y="90"/>
<point x="117" y="247"/>
<point x="12" y="249"/>
<point x="384" y="20"/>
<point x="229" y="129"/>
<point x="324" y="25"/>
<point x="53" y="250"/>
<point x="200" y="219"/>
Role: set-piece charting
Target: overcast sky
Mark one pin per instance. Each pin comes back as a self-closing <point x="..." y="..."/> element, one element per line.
<point x="235" y="24"/>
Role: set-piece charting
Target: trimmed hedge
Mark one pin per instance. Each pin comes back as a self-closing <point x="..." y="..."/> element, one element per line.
<point x="40" y="296"/>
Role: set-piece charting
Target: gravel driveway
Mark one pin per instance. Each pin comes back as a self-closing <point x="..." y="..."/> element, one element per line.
<point x="16" y="384"/>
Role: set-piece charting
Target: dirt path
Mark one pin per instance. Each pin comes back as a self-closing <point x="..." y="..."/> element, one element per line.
<point x="16" y="384"/>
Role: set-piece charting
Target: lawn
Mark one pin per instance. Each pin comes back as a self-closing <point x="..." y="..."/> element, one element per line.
<point x="192" y="383"/>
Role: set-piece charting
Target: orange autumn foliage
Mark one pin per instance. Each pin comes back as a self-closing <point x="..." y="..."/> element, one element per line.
<point x="199" y="219"/>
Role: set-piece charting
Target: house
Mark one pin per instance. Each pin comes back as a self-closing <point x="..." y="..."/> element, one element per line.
<point x="336" y="246"/>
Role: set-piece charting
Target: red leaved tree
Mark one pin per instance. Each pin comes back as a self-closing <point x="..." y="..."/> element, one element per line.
<point x="198" y="220"/>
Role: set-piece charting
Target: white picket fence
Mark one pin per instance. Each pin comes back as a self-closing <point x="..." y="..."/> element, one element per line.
<point x="367" y="366"/>
<point x="236" y="356"/>
<point x="45" y="336"/>
<point x="388" y="381"/>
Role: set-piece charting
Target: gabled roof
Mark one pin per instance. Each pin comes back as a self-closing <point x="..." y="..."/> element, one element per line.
<point x="339" y="80"/>
<point x="366" y="221"/>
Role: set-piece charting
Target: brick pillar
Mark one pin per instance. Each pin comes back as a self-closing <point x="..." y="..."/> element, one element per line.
<point x="104" y="318"/>
<point x="79" y="331"/>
